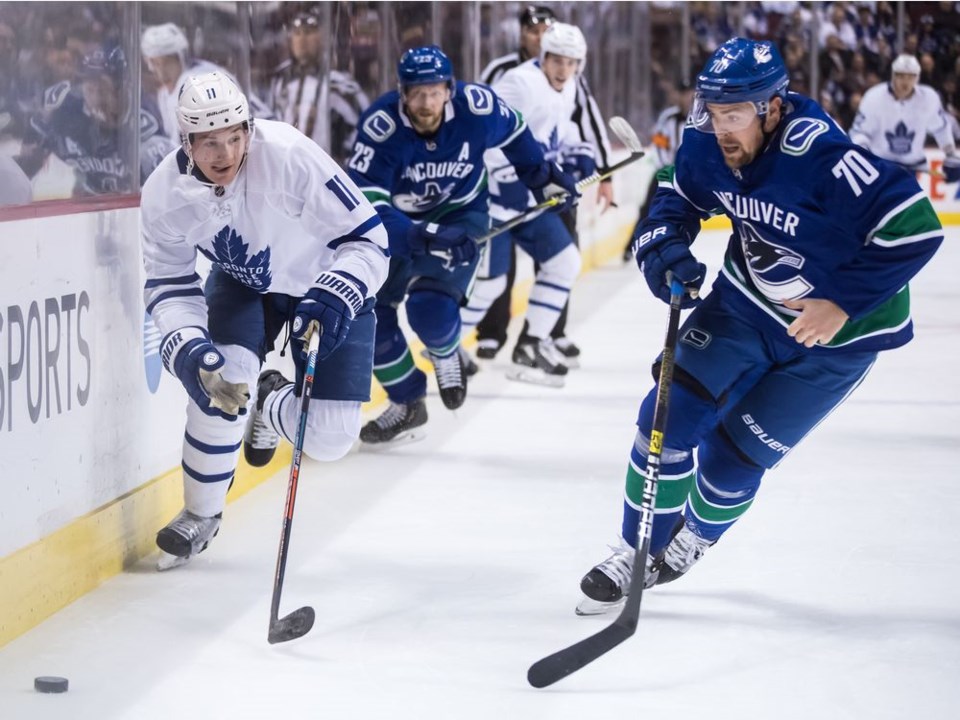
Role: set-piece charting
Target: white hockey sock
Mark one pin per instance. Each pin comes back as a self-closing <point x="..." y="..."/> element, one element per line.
<point x="485" y="291"/>
<point x="550" y="291"/>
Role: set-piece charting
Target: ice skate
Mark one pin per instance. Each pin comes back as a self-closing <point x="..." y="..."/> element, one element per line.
<point x="538" y="362"/>
<point x="451" y="379"/>
<point x="682" y="553"/>
<point x="185" y="536"/>
<point x="569" y="350"/>
<point x="470" y="367"/>
<point x="607" y="584"/>
<point x="259" y="439"/>
<point x="399" y="422"/>
<point x="487" y="348"/>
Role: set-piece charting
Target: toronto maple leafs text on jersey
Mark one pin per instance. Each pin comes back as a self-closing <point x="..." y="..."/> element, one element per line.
<point x="290" y="214"/>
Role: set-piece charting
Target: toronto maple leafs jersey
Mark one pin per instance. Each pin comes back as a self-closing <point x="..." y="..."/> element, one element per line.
<point x="814" y="216"/>
<point x="549" y="115"/>
<point x="409" y="176"/>
<point x="897" y="129"/>
<point x="290" y="214"/>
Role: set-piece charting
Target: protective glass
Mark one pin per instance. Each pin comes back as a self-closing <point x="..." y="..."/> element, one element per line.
<point x="719" y="118"/>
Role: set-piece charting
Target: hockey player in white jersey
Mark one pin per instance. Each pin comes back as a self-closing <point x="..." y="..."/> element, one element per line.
<point x="894" y="119"/>
<point x="544" y="91"/>
<point x="293" y="243"/>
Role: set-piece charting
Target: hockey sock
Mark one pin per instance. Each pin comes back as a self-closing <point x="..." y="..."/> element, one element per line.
<point x="435" y="318"/>
<point x="211" y="448"/>
<point x="726" y="484"/>
<point x="673" y="488"/>
<point x="551" y="289"/>
<point x="393" y="364"/>
<point x="485" y="292"/>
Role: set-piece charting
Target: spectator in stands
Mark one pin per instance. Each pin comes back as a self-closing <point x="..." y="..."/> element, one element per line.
<point x="83" y="129"/>
<point x="837" y="24"/>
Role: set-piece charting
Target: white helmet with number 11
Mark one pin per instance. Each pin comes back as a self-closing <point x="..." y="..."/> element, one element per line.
<point x="209" y="102"/>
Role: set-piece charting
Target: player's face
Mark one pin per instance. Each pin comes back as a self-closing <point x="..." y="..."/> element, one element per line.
<point x="166" y="68"/>
<point x="559" y="70"/>
<point x="530" y="38"/>
<point x="425" y="104"/>
<point x="903" y="85"/>
<point x="218" y="154"/>
<point x="740" y="130"/>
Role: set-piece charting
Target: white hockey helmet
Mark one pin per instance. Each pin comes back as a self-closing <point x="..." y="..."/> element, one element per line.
<point x="208" y="102"/>
<point x="166" y="39"/>
<point x="906" y="64"/>
<point x="564" y="40"/>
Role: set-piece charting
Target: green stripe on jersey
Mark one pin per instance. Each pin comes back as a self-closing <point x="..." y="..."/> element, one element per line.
<point x="392" y="373"/>
<point x="916" y="219"/>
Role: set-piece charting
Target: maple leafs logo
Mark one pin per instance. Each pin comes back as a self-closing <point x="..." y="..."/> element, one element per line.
<point x="901" y="139"/>
<point x="230" y="255"/>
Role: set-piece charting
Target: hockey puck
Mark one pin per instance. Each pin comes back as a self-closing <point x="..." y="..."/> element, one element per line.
<point x="50" y="684"/>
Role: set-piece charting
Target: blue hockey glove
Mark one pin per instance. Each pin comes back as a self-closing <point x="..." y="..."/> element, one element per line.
<point x="189" y="354"/>
<point x="550" y="180"/>
<point x="656" y="259"/>
<point x="951" y="168"/>
<point x="332" y="304"/>
<point x="449" y="243"/>
<point x="579" y="164"/>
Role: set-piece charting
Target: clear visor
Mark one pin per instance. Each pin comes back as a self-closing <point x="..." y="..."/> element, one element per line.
<point x="719" y="118"/>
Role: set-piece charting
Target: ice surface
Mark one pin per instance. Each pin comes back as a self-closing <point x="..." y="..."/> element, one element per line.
<point x="440" y="570"/>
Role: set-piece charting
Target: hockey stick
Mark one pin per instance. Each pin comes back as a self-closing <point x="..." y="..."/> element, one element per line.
<point x="621" y="128"/>
<point x="557" y="666"/>
<point x="299" y="622"/>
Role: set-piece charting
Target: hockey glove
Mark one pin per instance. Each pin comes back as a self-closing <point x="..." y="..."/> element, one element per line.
<point x="550" y="180"/>
<point x="331" y="304"/>
<point x="449" y="243"/>
<point x="951" y="168"/>
<point x="580" y="164"/>
<point x="189" y="354"/>
<point x="671" y="256"/>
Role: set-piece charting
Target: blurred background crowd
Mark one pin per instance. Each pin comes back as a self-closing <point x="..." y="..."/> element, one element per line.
<point x="87" y="88"/>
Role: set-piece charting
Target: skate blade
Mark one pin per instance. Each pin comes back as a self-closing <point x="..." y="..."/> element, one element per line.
<point x="166" y="561"/>
<point x="533" y="376"/>
<point x="588" y="607"/>
<point x="405" y="438"/>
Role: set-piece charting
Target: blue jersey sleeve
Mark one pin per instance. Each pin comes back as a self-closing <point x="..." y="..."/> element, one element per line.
<point x="886" y="209"/>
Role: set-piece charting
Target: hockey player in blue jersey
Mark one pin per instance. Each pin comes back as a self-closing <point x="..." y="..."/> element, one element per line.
<point x="419" y="159"/>
<point x="825" y="238"/>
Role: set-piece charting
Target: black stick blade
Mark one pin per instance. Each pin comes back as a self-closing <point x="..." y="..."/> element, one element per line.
<point x="567" y="661"/>
<point x="296" y="624"/>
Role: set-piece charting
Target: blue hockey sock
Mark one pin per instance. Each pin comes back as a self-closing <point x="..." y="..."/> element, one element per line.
<point x="673" y="488"/>
<point x="726" y="484"/>
<point x="435" y="318"/>
<point x="393" y="363"/>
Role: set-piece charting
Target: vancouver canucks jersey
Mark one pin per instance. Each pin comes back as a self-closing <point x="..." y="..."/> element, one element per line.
<point x="814" y="216"/>
<point x="290" y="214"/>
<point x="426" y="178"/>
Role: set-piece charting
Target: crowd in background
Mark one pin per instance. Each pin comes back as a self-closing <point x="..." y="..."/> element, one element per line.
<point x="70" y="73"/>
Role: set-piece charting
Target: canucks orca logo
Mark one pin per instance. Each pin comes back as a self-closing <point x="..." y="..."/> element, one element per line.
<point x="230" y="255"/>
<point x="773" y="268"/>
<point x="901" y="139"/>
<point x="432" y="196"/>
<point x="152" y="365"/>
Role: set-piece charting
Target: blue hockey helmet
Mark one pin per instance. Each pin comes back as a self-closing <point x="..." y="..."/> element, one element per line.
<point x="425" y="65"/>
<point x="740" y="71"/>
